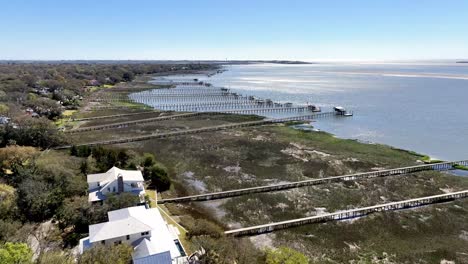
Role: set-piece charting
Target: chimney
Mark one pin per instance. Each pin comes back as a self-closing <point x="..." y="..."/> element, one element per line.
<point x="120" y="184"/>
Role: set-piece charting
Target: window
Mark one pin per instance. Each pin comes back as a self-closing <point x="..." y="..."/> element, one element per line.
<point x="144" y="233"/>
<point x="113" y="189"/>
<point x="128" y="237"/>
<point x="108" y="189"/>
<point x="117" y="242"/>
<point x="103" y="242"/>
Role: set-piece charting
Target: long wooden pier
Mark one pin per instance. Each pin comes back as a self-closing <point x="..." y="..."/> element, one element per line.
<point x="326" y="180"/>
<point x="169" y="134"/>
<point x="114" y="116"/>
<point x="130" y="123"/>
<point x="348" y="214"/>
<point x="200" y="130"/>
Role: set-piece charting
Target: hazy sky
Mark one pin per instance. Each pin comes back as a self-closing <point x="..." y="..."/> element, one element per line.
<point x="240" y="29"/>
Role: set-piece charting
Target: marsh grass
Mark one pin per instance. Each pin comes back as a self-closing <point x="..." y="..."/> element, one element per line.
<point x="256" y="156"/>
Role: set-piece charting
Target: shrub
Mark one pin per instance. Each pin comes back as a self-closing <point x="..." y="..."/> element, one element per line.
<point x="107" y="158"/>
<point x="118" y="254"/>
<point x="202" y="227"/>
<point x="80" y="151"/>
<point x="284" y="255"/>
<point x="148" y="160"/>
<point x="15" y="253"/>
<point x="159" y="178"/>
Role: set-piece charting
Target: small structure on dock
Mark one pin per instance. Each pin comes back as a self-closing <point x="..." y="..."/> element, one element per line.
<point x="288" y="105"/>
<point x="314" y="108"/>
<point x="339" y="110"/>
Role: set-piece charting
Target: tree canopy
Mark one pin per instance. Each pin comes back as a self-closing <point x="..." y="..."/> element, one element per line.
<point x="15" y="253"/>
<point x="116" y="254"/>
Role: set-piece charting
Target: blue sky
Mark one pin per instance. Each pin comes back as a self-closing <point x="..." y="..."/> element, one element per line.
<point x="224" y="29"/>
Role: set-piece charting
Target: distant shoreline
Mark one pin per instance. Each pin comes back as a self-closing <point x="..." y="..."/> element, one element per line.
<point x="153" y="61"/>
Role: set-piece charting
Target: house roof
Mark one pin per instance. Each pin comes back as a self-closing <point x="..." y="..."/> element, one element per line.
<point x="144" y="248"/>
<point x="160" y="258"/>
<point x="96" y="196"/>
<point x="114" y="173"/>
<point x="115" y="229"/>
<point x="134" y="220"/>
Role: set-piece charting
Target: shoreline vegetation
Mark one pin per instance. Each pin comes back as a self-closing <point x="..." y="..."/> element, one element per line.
<point x="215" y="161"/>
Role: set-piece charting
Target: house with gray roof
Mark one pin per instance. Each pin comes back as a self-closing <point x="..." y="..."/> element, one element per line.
<point x="115" y="181"/>
<point x="153" y="240"/>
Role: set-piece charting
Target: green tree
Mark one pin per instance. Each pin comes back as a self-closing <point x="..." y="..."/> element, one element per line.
<point x="13" y="159"/>
<point x="14" y="156"/>
<point x="148" y="160"/>
<point x="119" y="201"/>
<point x="118" y="254"/>
<point x="108" y="157"/>
<point x="32" y="132"/>
<point x="15" y="253"/>
<point x="128" y="76"/>
<point x="284" y="255"/>
<point x="159" y="178"/>
<point x="37" y="200"/>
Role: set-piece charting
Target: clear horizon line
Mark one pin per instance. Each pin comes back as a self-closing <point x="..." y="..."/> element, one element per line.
<point x="251" y="60"/>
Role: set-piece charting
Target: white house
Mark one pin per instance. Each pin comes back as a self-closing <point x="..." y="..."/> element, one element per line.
<point x="115" y="181"/>
<point x="153" y="240"/>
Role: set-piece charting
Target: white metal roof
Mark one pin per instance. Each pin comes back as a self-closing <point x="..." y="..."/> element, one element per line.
<point x="144" y="248"/>
<point x="115" y="229"/>
<point x="134" y="220"/>
<point x="113" y="174"/>
<point x="95" y="196"/>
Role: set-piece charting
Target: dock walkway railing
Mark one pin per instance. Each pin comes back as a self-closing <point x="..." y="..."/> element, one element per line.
<point x="350" y="177"/>
<point x="132" y="122"/>
<point x="348" y="214"/>
<point x="196" y="130"/>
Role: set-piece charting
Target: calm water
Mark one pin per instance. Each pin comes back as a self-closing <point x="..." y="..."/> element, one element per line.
<point x="412" y="106"/>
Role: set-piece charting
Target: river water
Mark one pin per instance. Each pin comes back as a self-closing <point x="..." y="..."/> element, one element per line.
<point x="415" y="106"/>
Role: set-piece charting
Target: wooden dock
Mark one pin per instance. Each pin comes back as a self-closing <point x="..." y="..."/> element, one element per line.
<point x="199" y="130"/>
<point x="311" y="182"/>
<point x="130" y="123"/>
<point x="348" y="214"/>
<point x="114" y="116"/>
